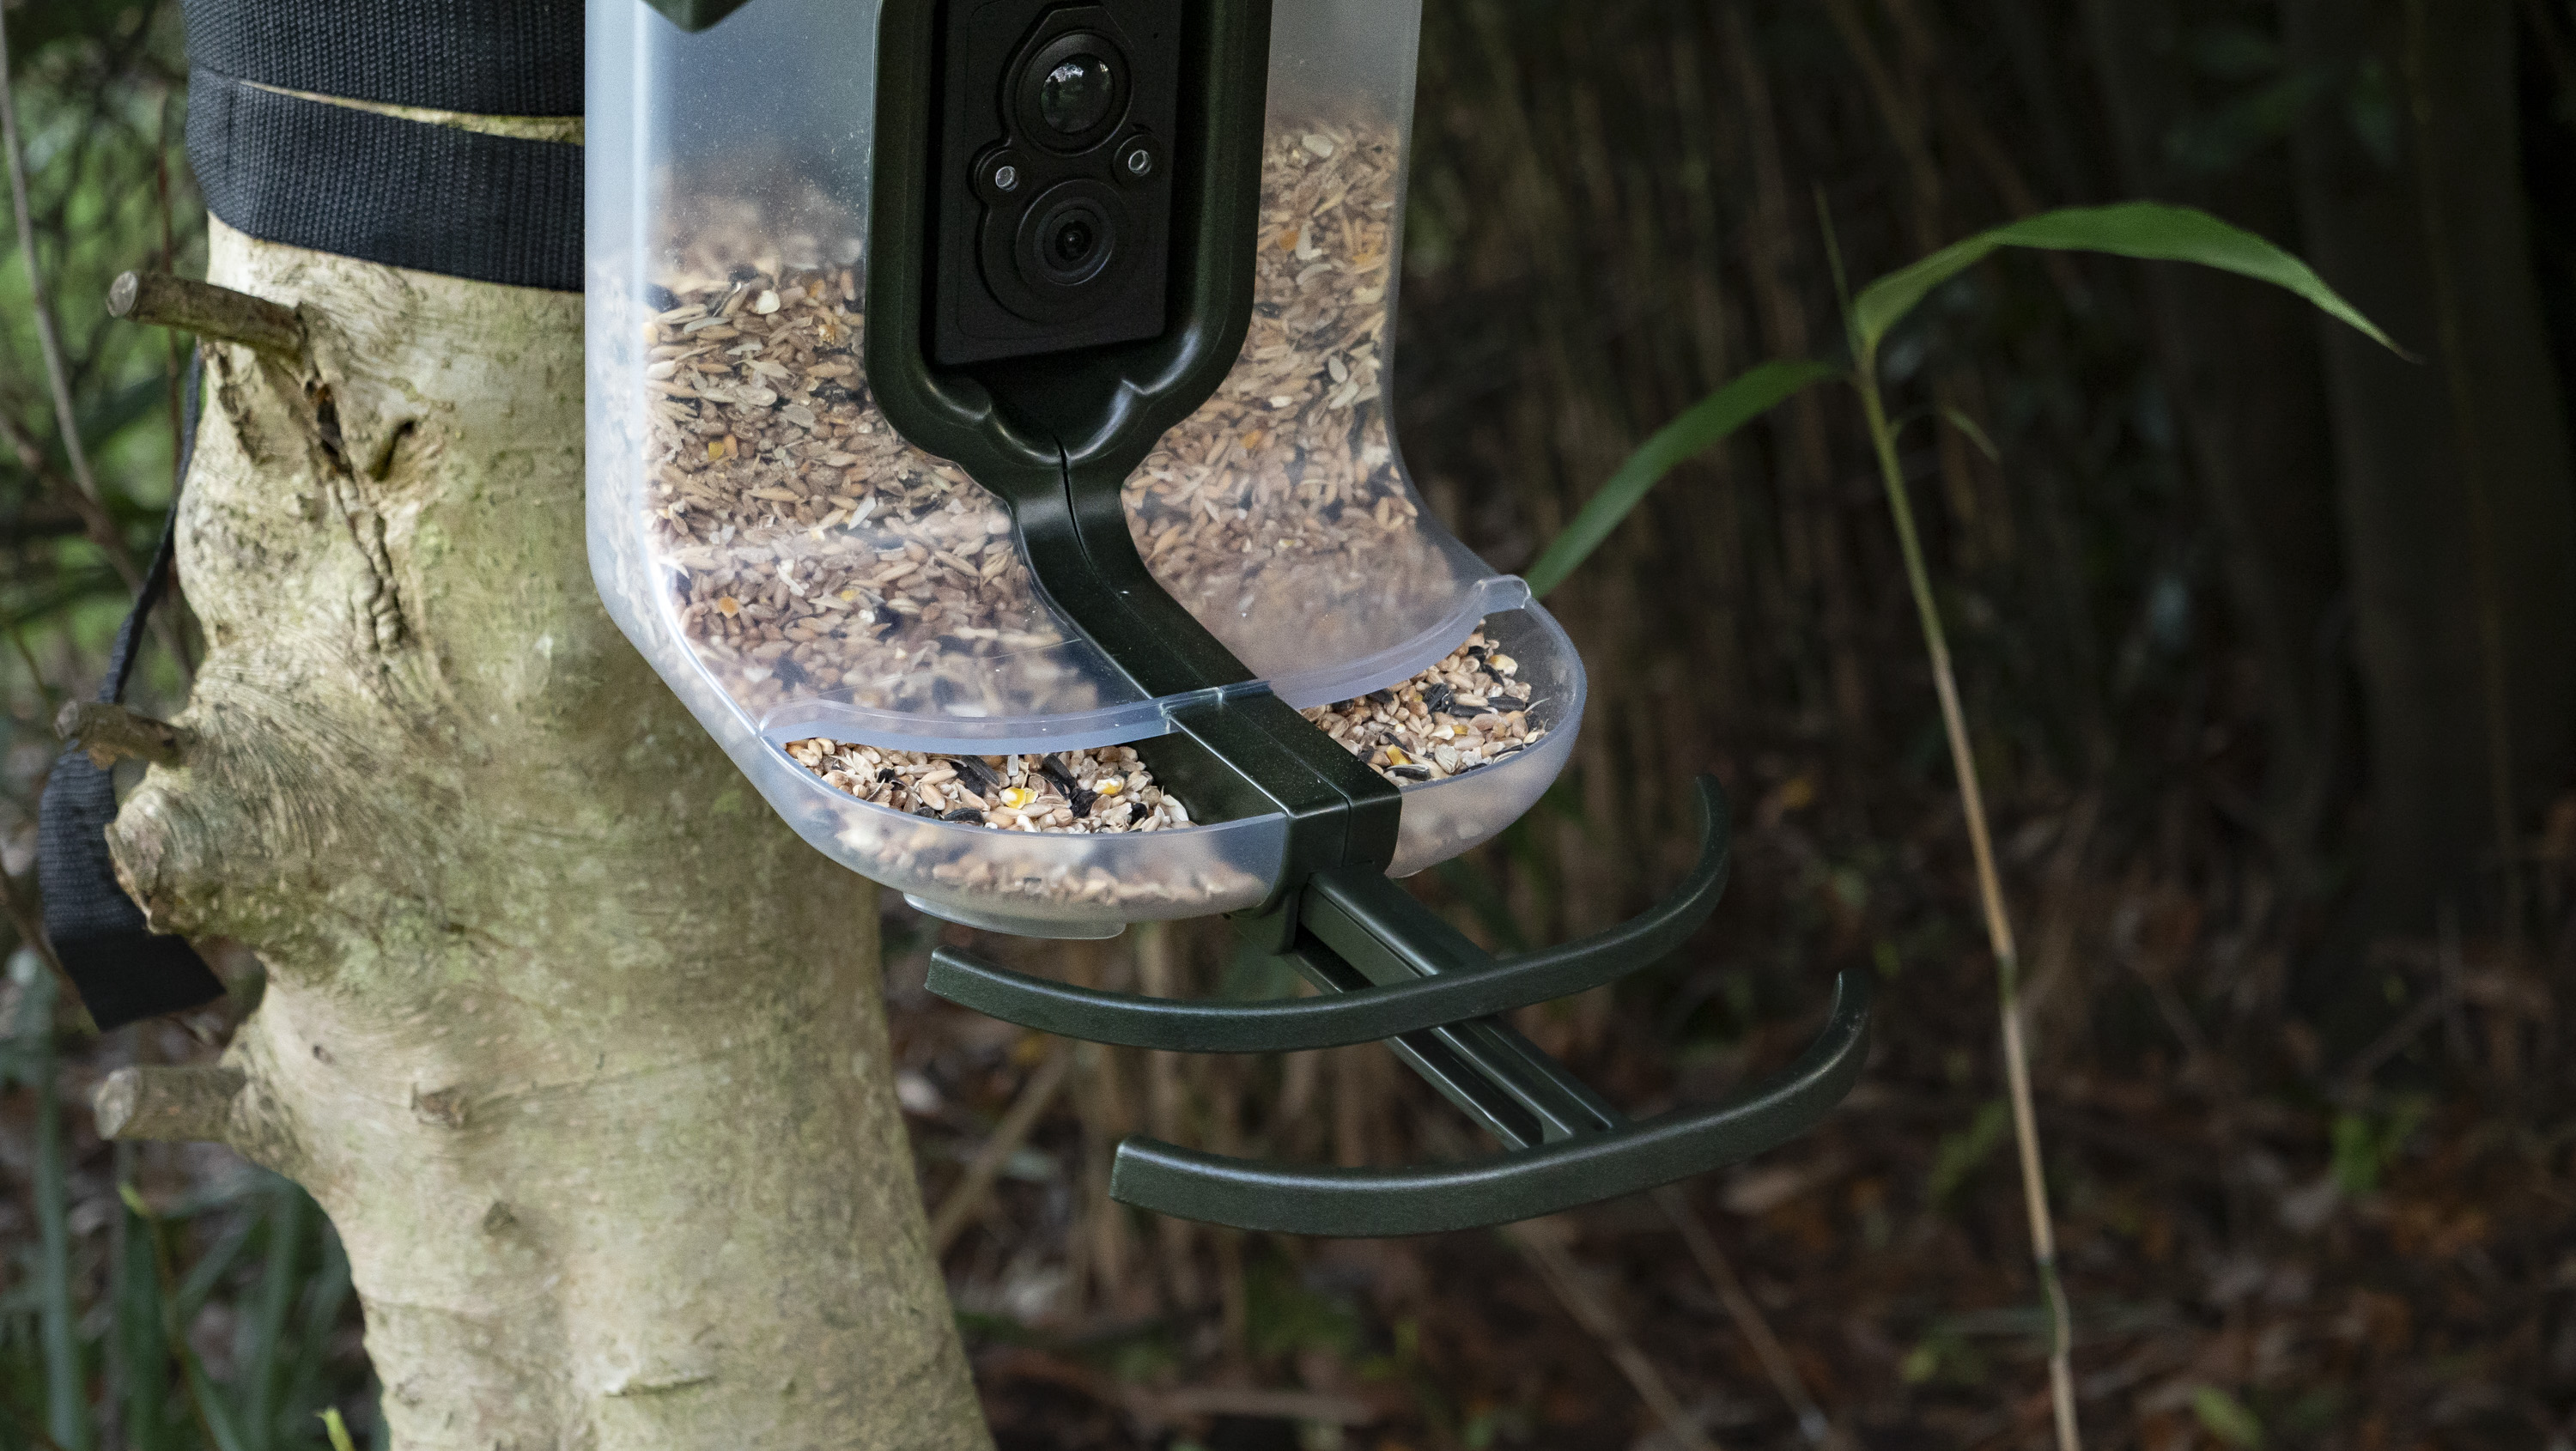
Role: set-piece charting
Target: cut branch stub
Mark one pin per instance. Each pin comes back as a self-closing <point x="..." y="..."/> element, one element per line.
<point x="109" y="732"/>
<point x="209" y="311"/>
<point x="168" y="1105"/>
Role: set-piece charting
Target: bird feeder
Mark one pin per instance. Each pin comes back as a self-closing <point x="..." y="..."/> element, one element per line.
<point x="989" y="442"/>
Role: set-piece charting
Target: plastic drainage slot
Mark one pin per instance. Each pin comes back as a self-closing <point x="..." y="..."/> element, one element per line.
<point x="963" y="732"/>
<point x="968" y="735"/>
<point x="1064" y="885"/>
<point x="1350" y="679"/>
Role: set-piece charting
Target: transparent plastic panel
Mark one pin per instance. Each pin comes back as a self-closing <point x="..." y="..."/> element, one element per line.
<point x="1076" y="885"/>
<point x="817" y="567"/>
<point x="1279" y="512"/>
<point x="794" y="568"/>
<point x="826" y="574"/>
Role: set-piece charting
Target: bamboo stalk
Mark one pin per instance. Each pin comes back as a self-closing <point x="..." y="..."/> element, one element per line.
<point x="1999" y="932"/>
<point x="1990" y="889"/>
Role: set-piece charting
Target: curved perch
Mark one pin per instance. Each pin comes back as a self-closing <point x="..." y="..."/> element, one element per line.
<point x="1367" y="1015"/>
<point x="1522" y="1184"/>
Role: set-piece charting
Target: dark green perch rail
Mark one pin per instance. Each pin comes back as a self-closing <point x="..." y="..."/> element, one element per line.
<point x="1390" y="969"/>
<point x="1359" y="915"/>
<point x="1529" y="1180"/>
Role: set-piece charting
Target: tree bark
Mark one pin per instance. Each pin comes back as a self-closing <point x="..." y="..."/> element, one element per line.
<point x="2459" y="519"/>
<point x="580" y="1048"/>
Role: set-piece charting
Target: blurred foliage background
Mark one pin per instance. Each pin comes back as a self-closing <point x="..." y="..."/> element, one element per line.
<point x="2268" y="639"/>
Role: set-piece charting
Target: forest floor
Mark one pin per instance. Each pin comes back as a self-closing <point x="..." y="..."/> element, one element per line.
<point x="2262" y="1250"/>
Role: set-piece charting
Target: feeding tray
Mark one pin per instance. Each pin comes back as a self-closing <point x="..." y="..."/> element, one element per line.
<point x="797" y="568"/>
<point x="989" y="443"/>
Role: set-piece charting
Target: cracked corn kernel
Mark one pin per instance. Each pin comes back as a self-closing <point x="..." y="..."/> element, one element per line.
<point x="1015" y="793"/>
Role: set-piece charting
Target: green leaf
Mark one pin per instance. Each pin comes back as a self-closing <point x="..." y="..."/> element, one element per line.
<point x="259" y="1364"/>
<point x="2226" y="1417"/>
<point x="337" y="1430"/>
<point x="219" y="1423"/>
<point x="2150" y="231"/>
<point x="1708" y="422"/>
<point x="141" y="1337"/>
<point x="1976" y="435"/>
<point x="67" y="1409"/>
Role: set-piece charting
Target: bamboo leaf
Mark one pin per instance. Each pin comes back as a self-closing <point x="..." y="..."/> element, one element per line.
<point x="143" y="1350"/>
<point x="67" y="1409"/>
<point x="215" y="1417"/>
<point x="1707" y="422"/>
<point x="1976" y="433"/>
<point x="2150" y="231"/>
<point x="324" y="1294"/>
<point x="260" y="1366"/>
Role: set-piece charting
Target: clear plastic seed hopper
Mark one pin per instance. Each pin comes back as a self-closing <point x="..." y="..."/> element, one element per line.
<point x="989" y="442"/>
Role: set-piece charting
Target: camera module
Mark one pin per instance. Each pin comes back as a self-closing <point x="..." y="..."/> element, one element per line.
<point x="1055" y="211"/>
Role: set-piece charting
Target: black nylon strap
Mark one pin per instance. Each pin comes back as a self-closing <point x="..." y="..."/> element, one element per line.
<point x="488" y="57"/>
<point x="123" y="970"/>
<point x="403" y="193"/>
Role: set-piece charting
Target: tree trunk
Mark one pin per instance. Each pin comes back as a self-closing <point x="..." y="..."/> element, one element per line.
<point x="2240" y="361"/>
<point x="580" y="1048"/>
<point x="2459" y="520"/>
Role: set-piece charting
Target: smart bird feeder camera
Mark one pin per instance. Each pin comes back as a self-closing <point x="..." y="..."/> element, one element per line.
<point x="989" y="442"/>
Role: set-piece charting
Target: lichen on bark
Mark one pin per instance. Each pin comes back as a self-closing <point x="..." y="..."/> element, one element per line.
<point x="581" y="1049"/>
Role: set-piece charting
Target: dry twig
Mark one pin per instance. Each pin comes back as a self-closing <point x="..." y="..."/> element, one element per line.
<point x="1564" y="1279"/>
<point x="210" y="311"/>
<point x="969" y="1195"/>
<point x="1749" y="1320"/>
<point x="39" y="303"/>
<point x="173" y="1105"/>
<point x="109" y="732"/>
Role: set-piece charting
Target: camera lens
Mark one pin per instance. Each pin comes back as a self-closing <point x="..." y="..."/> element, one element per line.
<point x="1070" y="92"/>
<point x="1077" y="93"/>
<point x="1074" y="240"/>
<point x="1066" y="250"/>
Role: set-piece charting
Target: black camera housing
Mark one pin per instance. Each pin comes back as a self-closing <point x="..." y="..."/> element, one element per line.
<point x="1051" y="223"/>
